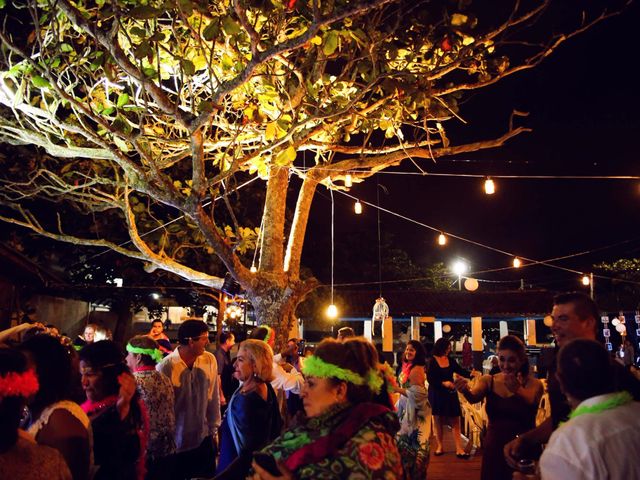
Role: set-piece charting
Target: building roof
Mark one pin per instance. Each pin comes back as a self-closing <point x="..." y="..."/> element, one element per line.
<point x="451" y="303"/>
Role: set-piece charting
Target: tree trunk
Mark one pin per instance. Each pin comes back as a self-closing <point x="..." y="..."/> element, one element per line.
<point x="276" y="306"/>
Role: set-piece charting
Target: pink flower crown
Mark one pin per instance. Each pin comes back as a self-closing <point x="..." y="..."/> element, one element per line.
<point x="16" y="384"/>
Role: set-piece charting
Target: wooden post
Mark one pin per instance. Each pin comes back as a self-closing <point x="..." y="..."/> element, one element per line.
<point x="387" y="335"/>
<point x="477" y="348"/>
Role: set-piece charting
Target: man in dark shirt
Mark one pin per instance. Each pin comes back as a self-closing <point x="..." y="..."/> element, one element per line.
<point x="575" y="315"/>
<point x="228" y="383"/>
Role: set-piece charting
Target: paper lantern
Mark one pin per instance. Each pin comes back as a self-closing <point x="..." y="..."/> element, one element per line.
<point x="548" y="320"/>
<point x="621" y="328"/>
<point x="615" y="322"/>
<point x="446" y="328"/>
<point x="471" y="284"/>
<point x="332" y="311"/>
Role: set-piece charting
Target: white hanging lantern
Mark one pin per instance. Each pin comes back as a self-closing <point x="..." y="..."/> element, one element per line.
<point x="380" y="312"/>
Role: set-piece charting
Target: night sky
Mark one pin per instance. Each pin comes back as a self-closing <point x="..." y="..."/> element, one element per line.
<point x="583" y="103"/>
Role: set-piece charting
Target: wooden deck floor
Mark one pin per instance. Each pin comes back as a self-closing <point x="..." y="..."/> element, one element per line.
<point x="450" y="467"/>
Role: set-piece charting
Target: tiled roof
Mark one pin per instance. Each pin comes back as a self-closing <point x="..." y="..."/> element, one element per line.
<point x="454" y="303"/>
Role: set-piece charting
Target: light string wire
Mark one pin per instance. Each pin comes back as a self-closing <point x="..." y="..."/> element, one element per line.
<point x="332" y="242"/>
<point x="530" y="261"/>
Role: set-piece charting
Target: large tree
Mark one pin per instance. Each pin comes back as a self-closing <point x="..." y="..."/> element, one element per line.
<point x="144" y="111"/>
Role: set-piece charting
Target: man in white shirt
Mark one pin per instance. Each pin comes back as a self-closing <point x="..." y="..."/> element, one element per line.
<point x="602" y="437"/>
<point x="194" y="375"/>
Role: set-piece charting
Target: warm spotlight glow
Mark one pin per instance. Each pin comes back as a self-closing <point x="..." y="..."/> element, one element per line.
<point x="442" y="240"/>
<point x="489" y="186"/>
<point x="347" y="181"/>
<point x="459" y="268"/>
<point x="358" y="207"/>
<point x="155" y="296"/>
<point x="585" y="280"/>
<point x="332" y="311"/>
<point x="517" y="262"/>
<point x="253" y="269"/>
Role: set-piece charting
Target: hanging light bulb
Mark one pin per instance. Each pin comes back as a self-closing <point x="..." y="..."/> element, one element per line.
<point x="516" y="262"/>
<point x="332" y="311"/>
<point x="585" y="280"/>
<point x="253" y="269"/>
<point x="489" y="186"/>
<point x="347" y="180"/>
<point x="358" y="207"/>
<point x="442" y="239"/>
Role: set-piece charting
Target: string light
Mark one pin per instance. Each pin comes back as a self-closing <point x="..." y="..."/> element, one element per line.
<point x="516" y="262"/>
<point x="332" y="310"/>
<point x="489" y="186"/>
<point x="585" y="280"/>
<point x="442" y="239"/>
<point x="357" y="207"/>
<point x="253" y="269"/>
<point x="347" y="180"/>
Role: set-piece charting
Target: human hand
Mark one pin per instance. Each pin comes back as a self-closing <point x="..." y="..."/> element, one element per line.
<point x="125" y="394"/>
<point x="287" y="367"/>
<point x="262" y="474"/>
<point x="461" y="384"/>
<point x="449" y="385"/>
<point x="513" y="452"/>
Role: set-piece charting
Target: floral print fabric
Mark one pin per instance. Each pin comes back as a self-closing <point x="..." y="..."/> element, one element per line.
<point x="156" y="392"/>
<point x="370" y="454"/>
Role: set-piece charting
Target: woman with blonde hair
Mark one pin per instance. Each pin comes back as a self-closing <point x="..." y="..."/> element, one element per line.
<point x="252" y="418"/>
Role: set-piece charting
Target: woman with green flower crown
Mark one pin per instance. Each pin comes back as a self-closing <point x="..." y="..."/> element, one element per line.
<point x="414" y="412"/>
<point x="346" y="435"/>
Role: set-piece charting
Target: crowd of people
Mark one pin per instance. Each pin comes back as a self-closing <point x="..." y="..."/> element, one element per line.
<point x="95" y="409"/>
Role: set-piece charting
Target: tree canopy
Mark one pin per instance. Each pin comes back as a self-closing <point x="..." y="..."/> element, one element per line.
<point x="157" y="113"/>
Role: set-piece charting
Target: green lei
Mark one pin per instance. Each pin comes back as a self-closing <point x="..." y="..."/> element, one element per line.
<point x="152" y="352"/>
<point x="614" y="401"/>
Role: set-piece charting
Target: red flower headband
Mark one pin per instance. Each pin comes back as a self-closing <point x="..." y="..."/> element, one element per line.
<point x="16" y="384"/>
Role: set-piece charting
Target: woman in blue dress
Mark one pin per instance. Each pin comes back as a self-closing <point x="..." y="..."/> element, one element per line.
<point x="252" y="418"/>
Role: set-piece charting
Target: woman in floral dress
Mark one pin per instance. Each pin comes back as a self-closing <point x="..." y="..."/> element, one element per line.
<point x="414" y="412"/>
<point x="345" y="435"/>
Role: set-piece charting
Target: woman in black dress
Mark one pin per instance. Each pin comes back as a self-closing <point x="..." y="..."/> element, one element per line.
<point x="443" y="395"/>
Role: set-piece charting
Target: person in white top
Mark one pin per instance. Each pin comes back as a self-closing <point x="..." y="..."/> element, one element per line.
<point x="602" y="437"/>
<point x="194" y="375"/>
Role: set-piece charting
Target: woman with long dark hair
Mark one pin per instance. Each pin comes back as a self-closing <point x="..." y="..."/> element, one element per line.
<point x="56" y="420"/>
<point x="21" y="457"/>
<point x="512" y="403"/>
<point x="414" y="411"/>
<point x="443" y="396"/>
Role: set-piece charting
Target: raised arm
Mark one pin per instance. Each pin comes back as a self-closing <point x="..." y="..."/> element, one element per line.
<point x="479" y="390"/>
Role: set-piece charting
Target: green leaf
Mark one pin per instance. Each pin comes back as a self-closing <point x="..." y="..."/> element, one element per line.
<point x="144" y="12"/>
<point x="187" y="66"/>
<point x="270" y="132"/>
<point x="330" y="42"/>
<point x="458" y="19"/>
<point x="40" y="82"/>
<point x="285" y="157"/>
<point x="138" y="32"/>
<point x="123" y="99"/>
<point x="205" y="107"/>
<point x="66" y="48"/>
<point x="212" y="30"/>
<point x="230" y="26"/>
<point x="142" y="50"/>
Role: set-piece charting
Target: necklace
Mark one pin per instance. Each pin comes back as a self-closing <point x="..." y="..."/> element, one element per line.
<point x="90" y="407"/>
<point x="616" y="400"/>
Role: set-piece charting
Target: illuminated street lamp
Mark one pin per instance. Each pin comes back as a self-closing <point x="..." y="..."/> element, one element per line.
<point x="459" y="268"/>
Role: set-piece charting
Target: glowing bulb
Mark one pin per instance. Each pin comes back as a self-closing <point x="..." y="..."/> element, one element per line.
<point x="489" y="186"/>
<point x="358" y="207"/>
<point x="459" y="267"/>
<point x="332" y="311"/>
<point x="517" y="262"/>
<point x="585" y="280"/>
<point x="442" y="240"/>
<point x="253" y="269"/>
<point x="347" y="180"/>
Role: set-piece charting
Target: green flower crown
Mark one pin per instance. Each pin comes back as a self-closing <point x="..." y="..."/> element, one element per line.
<point x="316" y="367"/>
<point x="152" y="352"/>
